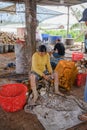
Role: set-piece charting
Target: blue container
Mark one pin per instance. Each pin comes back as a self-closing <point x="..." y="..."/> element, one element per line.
<point x="52" y="39"/>
<point x="85" y="91"/>
<point x="69" y="36"/>
<point x="45" y="37"/>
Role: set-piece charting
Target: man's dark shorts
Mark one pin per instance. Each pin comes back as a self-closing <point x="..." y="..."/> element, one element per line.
<point x="38" y="77"/>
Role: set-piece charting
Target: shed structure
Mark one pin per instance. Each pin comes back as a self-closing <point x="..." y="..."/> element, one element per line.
<point x="31" y="21"/>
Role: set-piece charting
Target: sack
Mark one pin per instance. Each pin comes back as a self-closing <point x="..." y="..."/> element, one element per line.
<point x="67" y="72"/>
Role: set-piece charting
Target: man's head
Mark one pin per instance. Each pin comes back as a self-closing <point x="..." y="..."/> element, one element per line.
<point x="42" y="50"/>
<point x="84" y="17"/>
<point x="58" y="40"/>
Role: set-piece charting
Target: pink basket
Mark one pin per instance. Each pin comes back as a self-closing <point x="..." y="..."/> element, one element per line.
<point x="13" y="97"/>
<point x="77" y="56"/>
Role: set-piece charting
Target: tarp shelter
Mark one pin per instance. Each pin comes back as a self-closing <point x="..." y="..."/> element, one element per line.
<point x="75" y="13"/>
<point x="11" y="13"/>
<point x="67" y="3"/>
<point x="52" y="2"/>
<point x="15" y="13"/>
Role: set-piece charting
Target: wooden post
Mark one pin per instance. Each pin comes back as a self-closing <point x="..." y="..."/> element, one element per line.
<point x="68" y="21"/>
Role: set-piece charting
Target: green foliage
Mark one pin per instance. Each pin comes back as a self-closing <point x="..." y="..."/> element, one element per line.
<point x="75" y="31"/>
<point x="76" y="34"/>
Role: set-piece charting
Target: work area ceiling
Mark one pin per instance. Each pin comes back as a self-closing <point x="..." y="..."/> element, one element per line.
<point x="52" y="2"/>
<point x="61" y="2"/>
<point x="15" y="13"/>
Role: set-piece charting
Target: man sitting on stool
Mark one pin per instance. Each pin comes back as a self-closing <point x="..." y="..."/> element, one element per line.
<point x="41" y="64"/>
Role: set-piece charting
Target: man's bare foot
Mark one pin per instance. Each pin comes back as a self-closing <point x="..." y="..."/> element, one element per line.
<point x="83" y="117"/>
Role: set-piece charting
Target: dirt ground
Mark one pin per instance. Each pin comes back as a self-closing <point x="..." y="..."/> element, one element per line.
<point x="21" y="120"/>
<point x="17" y="120"/>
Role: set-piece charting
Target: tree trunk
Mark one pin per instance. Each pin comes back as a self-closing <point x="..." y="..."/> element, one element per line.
<point x="30" y="16"/>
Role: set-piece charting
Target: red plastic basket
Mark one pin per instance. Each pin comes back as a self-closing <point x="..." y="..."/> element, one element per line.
<point x="77" y="56"/>
<point x="80" y="79"/>
<point x="13" y="97"/>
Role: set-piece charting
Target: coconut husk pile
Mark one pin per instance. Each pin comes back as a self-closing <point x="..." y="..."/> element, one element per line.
<point x="82" y="65"/>
<point x="7" y="38"/>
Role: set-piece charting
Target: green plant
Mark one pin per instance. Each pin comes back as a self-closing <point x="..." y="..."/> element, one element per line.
<point x="76" y="34"/>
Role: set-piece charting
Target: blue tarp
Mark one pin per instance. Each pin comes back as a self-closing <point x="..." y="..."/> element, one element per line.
<point x="51" y="38"/>
<point x="54" y="38"/>
<point x="45" y="37"/>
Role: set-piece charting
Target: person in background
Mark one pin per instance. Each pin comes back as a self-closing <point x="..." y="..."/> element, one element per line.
<point x="58" y="40"/>
<point x="84" y="19"/>
<point x="58" y="53"/>
<point x="40" y="65"/>
<point x="83" y="117"/>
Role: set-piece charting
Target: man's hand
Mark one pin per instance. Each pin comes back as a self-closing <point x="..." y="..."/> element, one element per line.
<point x="47" y="77"/>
